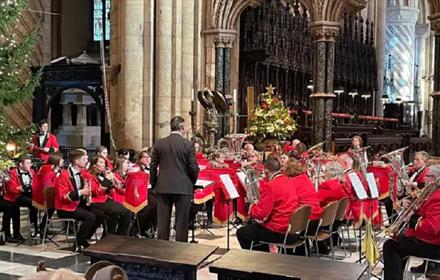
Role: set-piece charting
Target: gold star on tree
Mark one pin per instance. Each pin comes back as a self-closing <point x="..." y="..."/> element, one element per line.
<point x="270" y="90"/>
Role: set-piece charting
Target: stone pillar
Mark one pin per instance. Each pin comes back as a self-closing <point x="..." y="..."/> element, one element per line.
<point x="421" y="32"/>
<point x="219" y="63"/>
<point x="323" y="36"/>
<point x="131" y="77"/>
<point x="164" y="28"/>
<point x="400" y="43"/>
<point x="188" y="43"/>
<point x="379" y="23"/>
<point x="435" y="26"/>
<point x="81" y="117"/>
<point x="67" y="114"/>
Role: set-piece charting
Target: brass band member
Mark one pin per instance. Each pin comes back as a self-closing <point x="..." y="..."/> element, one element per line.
<point x="19" y="191"/>
<point x="418" y="172"/>
<point x="43" y="143"/>
<point x="422" y="238"/>
<point x="103" y="152"/>
<point x="272" y="212"/>
<point x="102" y="182"/>
<point x="71" y="195"/>
<point x="248" y="149"/>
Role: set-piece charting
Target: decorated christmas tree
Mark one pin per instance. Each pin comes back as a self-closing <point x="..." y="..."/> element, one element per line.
<point x="16" y="80"/>
<point x="270" y="119"/>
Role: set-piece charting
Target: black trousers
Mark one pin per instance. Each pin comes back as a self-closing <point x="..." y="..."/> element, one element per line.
<point x="148" y="215"/>
<point x="255" y="232"/>
<point x="395" y="253"/>
<point x="117" y="216"/>
<point x="165" y="204"/>
<point x="89" y="222"/>
<point x="10" y="211"/>
<point x="25" y="200"/>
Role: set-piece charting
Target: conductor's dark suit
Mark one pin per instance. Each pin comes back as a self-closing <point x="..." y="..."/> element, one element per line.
<point x="173" y="173"/>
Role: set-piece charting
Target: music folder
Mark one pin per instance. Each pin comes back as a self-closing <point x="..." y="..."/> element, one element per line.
<point x="357" y="186"/>
<point x="229" y="186"/>
<point x="242" y="178"/>
<point x="203" y="183"/>
<point x="372" y="185"/>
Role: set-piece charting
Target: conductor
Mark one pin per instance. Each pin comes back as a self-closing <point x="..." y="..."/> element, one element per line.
<point x="173" y="173"/>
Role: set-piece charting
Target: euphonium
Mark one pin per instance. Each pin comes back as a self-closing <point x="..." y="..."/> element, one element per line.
<point x="399" y="225"/>
<point x="252" y="184"/>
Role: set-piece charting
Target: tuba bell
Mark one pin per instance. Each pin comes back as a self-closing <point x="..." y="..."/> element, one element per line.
<point x="251" y="184"/>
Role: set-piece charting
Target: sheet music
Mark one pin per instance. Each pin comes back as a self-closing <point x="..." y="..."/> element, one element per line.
<point x="242" y="178"/>
<point x="357" y="186"/>
<point x="372" y="185"/>
<point x="203" y="183"/>
<point x="230" y="188"/>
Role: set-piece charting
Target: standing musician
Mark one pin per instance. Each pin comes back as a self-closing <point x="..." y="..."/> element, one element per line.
<point x="422" y="238"/>
<point x="102" y="182"/>
<point x="72" y="197"/>
<point x="175" y="157"/>
<point x="272" y="212"/>
<point x="10" y="211"/>
<point x="19" y="190"/>
<point x="43" y="143"/>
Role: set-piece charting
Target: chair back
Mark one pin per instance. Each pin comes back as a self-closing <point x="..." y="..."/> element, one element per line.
<point x="329" y="213"/>
<point x="49" y="197"/>
<point x="340" y="213"/>
<point x="299" y="219"/>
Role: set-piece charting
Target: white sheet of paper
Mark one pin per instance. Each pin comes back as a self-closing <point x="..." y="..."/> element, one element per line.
<point x="203" y="183"/>
<point x="357" y="185"/>
<point x="242" y="178"/>
<point x="230" y="188"/>
<point x="372" y="185"/>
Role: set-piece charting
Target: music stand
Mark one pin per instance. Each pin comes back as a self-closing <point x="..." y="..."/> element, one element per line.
<point x="363" y="196"/>
<point x="230" y="193"/>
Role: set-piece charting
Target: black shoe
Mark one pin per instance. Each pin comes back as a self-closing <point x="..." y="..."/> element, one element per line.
<point x="421" y="268"/>
<point x="19" y="238"/>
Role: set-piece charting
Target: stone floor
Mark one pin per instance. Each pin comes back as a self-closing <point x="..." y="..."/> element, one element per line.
<point x="16" y="261"/>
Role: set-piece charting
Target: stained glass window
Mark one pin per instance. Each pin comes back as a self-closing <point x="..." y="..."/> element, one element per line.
<point x="101" y="20"/>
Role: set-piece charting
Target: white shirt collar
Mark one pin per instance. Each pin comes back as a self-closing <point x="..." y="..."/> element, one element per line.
<point x="177" y="132"/>
<point x="74" y="170"/>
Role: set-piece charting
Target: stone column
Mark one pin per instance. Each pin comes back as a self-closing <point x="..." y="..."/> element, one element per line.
<point x="400" y="42"/>
<point x="219" y="64"/>
<point x="164" y="28"/>
<point x="67" y="114"/>
<point x="323" y="36"/>
<point x="379" y="23"/>
<point x="435" y="26"/>
<point x="81" y="117"/>
<point x="421" y="31"/>
<point x="188" y="42"/>
<point x="131" y="77"/>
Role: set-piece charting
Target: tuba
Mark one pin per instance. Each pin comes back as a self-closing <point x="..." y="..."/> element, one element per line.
<point x="251" y="184"/>
<point x="398" y="165"/>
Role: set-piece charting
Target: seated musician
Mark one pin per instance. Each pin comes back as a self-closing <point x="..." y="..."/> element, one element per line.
<point x="354" y="211"/>
<point x="102" y="182"/>
<point x="219" y="160"/>
<point x="307" y="195"/>
<point x="248" y="149"/>
<point x="356" y="142"/>
<point x="299" y="152"/>
<point x="117" y="194"/>
<point x="271" y="214"/>
<point x="199" y="154"/>
<point x="276" y="151"/>
<point x="422" y="237"/>
<point x="252" y="160"/>
<point x="331" y="189"/>
<point x="47" y="176"/>
<point x="148" y="215"/>
<point x="19" y="191"/>
<point x="10" y="211"/>
<point x="283" y="160"/>
<point x="43" y="143"/>
<point x="419" y="170"/>
<point x="102" y="151"/>
<point x="72" y="196"/>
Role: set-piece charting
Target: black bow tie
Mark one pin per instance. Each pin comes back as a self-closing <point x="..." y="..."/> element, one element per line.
<point x="42" y="134"/>
<point x="25" y="173"/>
